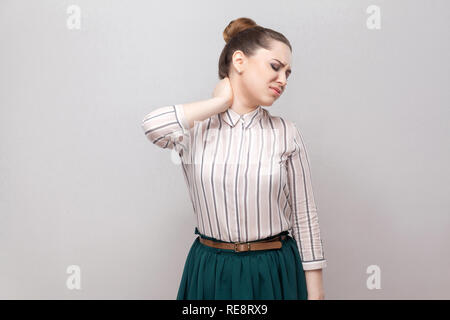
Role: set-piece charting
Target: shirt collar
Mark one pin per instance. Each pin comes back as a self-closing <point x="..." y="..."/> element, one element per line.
<point x="249" y="119"/>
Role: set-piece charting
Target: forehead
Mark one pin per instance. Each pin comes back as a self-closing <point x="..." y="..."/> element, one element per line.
<point x="278" y="51"/>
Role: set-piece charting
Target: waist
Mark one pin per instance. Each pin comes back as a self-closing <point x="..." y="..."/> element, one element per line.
<point x="271" y="242"/>
<point x="196" y="231"/>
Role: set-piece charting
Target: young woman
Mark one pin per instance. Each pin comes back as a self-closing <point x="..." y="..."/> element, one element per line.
<point x="248" y="177"/>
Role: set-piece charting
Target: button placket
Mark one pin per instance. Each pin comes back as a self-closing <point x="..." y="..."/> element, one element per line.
<point x="242" y="157"/>
<point x="241" y="118"/>
<point x="244" y="130"/>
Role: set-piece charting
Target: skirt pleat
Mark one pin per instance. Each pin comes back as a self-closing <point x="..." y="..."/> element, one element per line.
<point x="222" y="274"/>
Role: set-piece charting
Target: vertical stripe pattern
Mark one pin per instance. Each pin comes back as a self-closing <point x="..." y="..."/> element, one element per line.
<point x="248" y="176"/>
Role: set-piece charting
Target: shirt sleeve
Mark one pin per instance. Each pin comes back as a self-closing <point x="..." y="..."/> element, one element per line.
<point x="305" y="222"/>
<point x="167" y="127"/>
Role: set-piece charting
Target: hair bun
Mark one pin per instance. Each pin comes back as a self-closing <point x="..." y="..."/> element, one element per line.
<point x="236" y="26"/>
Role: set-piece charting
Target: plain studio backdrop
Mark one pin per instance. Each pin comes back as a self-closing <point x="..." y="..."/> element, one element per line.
<point x="91" y="209"/>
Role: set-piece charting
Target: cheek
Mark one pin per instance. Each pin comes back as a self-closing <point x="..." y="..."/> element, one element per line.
<point x="258" y="87"/>
<point x="260" y="80"/>
<point x="253" y="83"/>
<point x="257" y="82"/>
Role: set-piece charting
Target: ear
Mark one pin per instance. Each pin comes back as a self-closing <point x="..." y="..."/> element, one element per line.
<point x="238" y="60"/>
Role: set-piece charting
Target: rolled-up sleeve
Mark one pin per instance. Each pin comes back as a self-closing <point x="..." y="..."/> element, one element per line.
<point x="168" y="128"/>
<point x="305" y="222"/>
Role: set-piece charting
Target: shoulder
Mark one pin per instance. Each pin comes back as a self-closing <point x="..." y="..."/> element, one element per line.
<point x="281" y="121"/>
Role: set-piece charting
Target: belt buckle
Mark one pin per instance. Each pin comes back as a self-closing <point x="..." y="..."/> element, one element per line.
<point x="236" y="244"/>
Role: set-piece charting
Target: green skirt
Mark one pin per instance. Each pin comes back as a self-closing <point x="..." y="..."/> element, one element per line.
<point x="222" y="274"/>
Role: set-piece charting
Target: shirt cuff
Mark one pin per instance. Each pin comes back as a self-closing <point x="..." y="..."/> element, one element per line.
<point x="314" y="265"/>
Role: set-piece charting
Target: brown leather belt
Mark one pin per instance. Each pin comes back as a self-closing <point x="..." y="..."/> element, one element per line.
<point x="274" y="243"/>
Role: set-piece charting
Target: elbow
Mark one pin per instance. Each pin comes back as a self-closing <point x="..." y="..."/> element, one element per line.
<point x="147" y="129"/>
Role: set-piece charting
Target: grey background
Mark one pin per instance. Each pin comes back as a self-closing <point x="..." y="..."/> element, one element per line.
<point x="81" y="185"/>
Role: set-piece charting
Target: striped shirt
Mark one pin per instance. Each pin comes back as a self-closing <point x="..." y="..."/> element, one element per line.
<point x="248" y="176"/>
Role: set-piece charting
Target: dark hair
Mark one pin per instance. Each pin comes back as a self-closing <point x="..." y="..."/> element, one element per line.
<point x="245" y="35"/>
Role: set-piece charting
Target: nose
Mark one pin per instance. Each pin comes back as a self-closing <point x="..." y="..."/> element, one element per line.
<point x="282" y="85"/>
<point x="282" y="81"/>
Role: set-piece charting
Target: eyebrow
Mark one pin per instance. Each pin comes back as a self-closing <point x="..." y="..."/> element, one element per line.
<point x="282" y="64"/>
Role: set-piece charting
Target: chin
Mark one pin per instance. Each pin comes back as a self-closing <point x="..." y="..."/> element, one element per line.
<point x="268" y="103"/>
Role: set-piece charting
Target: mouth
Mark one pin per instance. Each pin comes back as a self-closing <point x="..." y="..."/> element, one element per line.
<point x="276" y="91"/>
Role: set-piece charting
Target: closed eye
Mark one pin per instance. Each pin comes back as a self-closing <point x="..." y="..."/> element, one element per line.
<point x="276" y="68"/>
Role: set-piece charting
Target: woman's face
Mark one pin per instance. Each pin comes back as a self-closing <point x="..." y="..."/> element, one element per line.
<point x="261" y="72"/>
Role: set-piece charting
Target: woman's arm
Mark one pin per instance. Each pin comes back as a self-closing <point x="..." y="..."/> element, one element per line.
<point x="201" y="110"/>
<point x="221" y="100"/>
<point x="305" y="221"/>
<point x="167" y="126"/>
<point x="314" y="284"/>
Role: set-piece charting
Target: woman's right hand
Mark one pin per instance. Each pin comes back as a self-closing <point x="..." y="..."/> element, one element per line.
<point x="223" y="90"/>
